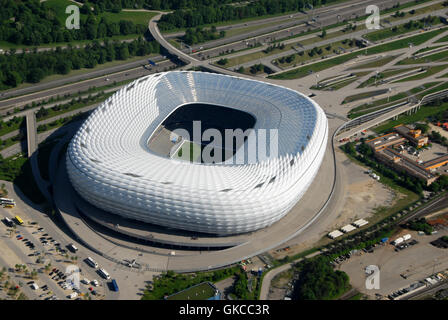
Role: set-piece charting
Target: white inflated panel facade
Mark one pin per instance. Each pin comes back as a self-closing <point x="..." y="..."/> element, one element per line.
<point x="110" y="165"/>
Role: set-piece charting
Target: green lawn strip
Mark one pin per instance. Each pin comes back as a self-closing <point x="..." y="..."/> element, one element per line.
<point x="10" y="141"/>
<point x="429" y="72"/>
<point x="11" y="125"/>
<point x="383" y="76"/>
<point x="391" y="32"/>
<point x="364" y="95"/>
<point x="58" y="110"/>
<point x="374" y="64"/>
<point x="311" y="54"/>
<point x="423" y="113"/>
<point x="428" y="59"/>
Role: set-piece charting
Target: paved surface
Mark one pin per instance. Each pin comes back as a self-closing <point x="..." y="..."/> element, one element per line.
<point x="31" y="133"/>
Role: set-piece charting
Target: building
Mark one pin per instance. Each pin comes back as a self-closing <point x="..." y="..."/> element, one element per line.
<point x="414" y="136"/>
<point x="387" y="140"/>
<point x="399" y="162"/>
<point x="385" y="150"/>
<point x="435" y="163"/>
<point x="110" y="164"/>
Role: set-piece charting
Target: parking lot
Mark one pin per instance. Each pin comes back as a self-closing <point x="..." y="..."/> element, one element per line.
<point x="41" y="265"/>
<point x="400" y="266"/>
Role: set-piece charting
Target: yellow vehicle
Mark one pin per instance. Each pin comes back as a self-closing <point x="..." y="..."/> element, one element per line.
<point x="18" y="220"/>
<point x="8" y="205"/>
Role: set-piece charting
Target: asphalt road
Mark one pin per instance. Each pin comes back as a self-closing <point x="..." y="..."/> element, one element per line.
<point x="324" y="17"/>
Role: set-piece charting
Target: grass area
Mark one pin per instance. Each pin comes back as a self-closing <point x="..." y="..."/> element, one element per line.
<point x="423" y="113"/>
<point x="429" y="72"/>
<point x="201" y="291"/>
<point x="17" y="169"/>
<point x="253" y="56"/>
<point x="170" y="282"/>
<point x="374" y="64"/>
<point x="386" y="102"/>
<point x="323" y="65"/>
<point x="188" y="151"/>
<point x="109" y="64"/>
<point x="428" y="59"/>
<point x="138" y="17"/>
<point x="364" y="95"/>
<point x="392" y="32"/>
<point x="58" y="110"/>
<point x="315" y="53"/>
<point x="383" y="76"/>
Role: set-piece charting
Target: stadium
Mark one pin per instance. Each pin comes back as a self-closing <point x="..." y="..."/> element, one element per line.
<point x="135" y="156"/>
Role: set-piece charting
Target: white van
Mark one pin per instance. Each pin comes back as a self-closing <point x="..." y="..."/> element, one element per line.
<point x="104" y="274"/>
<point x="91" y="262"/>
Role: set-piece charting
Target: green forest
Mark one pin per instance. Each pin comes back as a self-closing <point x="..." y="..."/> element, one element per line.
<point x="33" y="67"/>
<point x="34" y="23"/>
<point x="318" y="281"/>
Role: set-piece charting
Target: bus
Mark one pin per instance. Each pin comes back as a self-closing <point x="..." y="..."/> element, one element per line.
<point x="114" y="285"/>
<point x="18" y="220"/>
<point x="9" y="222"/>
<point x="104" y="274"/>
<point x="8" y="205"/>
<point x="91" y="262"/>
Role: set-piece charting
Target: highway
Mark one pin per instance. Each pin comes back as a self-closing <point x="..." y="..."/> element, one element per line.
<point x="324" y="17"/>
<point x="53" y="89"/>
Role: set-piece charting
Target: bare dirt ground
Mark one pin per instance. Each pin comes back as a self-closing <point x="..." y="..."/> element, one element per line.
<point x="280" y="285"/>
<point x="362" y="196"/>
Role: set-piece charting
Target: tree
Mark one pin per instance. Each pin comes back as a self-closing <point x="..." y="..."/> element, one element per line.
<point x="324" y="33"/>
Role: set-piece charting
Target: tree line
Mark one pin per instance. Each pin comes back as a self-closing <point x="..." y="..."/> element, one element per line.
<point x="33" y="23"/>
<point x="200" y="12"/>
<point x="33" y="67"/>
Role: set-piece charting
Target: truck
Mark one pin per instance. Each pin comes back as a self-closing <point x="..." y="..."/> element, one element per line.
<point x="72" y="248"/>
<point x="406" y="237"/>
<point x="114" y="285"/>
<point x="398" y="241"/>
<point x="19" y="220"/>
<point x="8" y="222"/>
